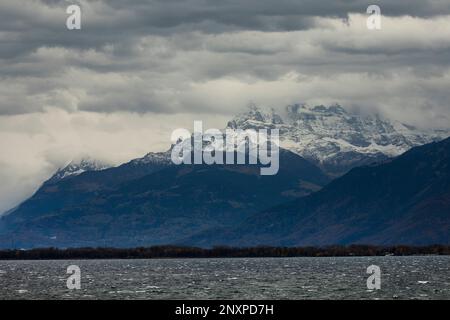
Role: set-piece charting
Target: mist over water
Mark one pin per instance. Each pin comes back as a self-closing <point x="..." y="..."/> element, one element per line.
<point x="417" y="277"/>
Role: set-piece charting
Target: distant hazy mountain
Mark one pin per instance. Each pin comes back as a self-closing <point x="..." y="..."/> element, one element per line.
<point x="402" y="201"/>
<point x="335" y="139"/>
<point x="151" y="201"/>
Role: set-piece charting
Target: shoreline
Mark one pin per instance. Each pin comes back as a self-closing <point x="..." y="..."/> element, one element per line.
<point x="224" y="258"/>
<point x="180" y="252"/>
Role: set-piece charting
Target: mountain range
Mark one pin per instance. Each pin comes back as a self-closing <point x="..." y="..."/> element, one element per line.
<point x="152" y="202"/>
<point x="381" y="193"/>
<point x="332" y="138"/>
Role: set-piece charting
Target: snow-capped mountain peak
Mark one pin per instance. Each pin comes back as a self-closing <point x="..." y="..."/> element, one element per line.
<point x="158" y="158"/>
<point x="75" y="168"/>
<point x="335" y="138"/>
<point x="256" y="118"/>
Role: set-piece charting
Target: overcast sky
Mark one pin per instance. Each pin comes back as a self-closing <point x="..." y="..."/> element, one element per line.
<point x="115" y="89"/>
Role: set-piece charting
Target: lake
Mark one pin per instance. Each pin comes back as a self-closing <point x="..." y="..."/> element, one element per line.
<point x="417" y="277"/>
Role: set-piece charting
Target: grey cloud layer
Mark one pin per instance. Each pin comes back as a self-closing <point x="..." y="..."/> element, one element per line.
<point x="36" y="23"/>
<point x="209" y="56"/>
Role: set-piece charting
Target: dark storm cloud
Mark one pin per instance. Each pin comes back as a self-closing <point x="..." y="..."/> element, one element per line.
<point x="182" y="56"/>
<point x="33" y="24"/>
<point x="38" y="23"/>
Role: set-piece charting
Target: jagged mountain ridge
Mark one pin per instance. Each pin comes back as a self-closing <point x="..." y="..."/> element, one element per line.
<point x="334" y="138"/>
<point x="331" y="137"/>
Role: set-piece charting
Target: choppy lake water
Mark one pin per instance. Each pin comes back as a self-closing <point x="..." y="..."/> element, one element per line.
<point x="244" y="278"/>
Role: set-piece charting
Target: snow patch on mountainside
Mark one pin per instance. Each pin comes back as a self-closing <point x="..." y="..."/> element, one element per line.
<point x="159" y="158"/>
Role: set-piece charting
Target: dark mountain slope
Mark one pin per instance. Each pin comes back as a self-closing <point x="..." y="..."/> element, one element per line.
<point x="58" y="192"/>
<point x="165" y="206"/>
<point x="403" y="201"/>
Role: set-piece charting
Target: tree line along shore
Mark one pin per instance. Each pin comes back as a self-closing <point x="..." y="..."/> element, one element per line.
<point x="155" y="252"/>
